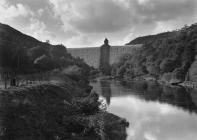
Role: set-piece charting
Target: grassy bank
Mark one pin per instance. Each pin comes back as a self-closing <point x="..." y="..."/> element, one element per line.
<point x="56" y="111"/>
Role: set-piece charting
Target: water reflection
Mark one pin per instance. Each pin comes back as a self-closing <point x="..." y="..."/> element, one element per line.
<point x="155" y="112"/>
<point x="106" y="90"/>
<point x="151" y="91"/>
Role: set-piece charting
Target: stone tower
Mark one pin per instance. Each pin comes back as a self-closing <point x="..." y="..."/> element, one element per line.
<point x="104" y="64"/>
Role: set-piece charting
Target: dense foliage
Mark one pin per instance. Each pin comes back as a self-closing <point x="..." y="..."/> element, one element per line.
<point x="151" y="38"/>
<point x="23" y="54"/>
<point x="57" y="111"/>
<point x="171" y="55"/>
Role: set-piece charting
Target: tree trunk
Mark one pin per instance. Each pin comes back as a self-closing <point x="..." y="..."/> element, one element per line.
<point x="5" y="78"/>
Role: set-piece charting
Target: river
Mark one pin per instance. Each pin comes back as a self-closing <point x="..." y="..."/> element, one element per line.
<point x="155" y="112"/>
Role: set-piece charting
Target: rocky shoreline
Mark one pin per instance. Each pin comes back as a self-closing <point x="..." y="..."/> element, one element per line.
<point x="171" y="82"/>
<point x="56" y="111"/>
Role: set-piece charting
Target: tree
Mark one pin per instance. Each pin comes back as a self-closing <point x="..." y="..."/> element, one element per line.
<point x="167" y="65"/>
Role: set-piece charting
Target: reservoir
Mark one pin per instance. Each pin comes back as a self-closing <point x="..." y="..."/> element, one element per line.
<point x="154" y="111"/>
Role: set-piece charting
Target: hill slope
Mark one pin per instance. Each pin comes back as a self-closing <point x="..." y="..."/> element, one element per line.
<point x="22" y="54"/>
<point x="166" y="56"/>
<point x="9" y="35"/>
<point x="151" y="38"/>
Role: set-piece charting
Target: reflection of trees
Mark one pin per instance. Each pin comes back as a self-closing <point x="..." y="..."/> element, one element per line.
<point x="174" y="95"/>
<point x="106" y="90"/>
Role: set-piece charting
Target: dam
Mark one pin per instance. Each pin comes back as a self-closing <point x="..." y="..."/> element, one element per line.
<point x="91" y="55"/>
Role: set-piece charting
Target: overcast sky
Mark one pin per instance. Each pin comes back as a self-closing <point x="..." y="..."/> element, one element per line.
<point x="85" y="23"/>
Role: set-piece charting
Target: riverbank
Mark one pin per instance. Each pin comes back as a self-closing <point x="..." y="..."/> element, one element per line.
<point x="57" y="110"/>
<point x="169" y="82"/>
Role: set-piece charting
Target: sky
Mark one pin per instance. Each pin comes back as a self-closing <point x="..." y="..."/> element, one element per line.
<point x="85" y="23"/>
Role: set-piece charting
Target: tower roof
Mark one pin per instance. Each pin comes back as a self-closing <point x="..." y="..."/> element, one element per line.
<point x="106" y="42"/>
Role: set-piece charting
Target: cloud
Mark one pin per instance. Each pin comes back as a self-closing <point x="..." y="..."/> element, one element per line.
<point x="110" y="17"/>
<point x="101" y="16"/>
<point x="35" y="18"/>
<point x="153" y="120"/>
<point x="8" y="13"/>
<point x="43" y="10"/>
<point x="87" y="22"/>
<point x="159" y="10"/>
<point x="32" y="4"/>
<point x="94" y="16"/>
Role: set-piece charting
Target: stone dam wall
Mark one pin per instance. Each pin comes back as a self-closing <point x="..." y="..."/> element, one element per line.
<point x="91" y="55"/>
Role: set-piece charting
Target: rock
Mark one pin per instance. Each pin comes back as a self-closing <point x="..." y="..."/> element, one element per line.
<point x="170" y="78"/>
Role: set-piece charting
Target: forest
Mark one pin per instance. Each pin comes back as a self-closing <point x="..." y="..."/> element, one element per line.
<point x="23" y="55"/>
<point x="163" y="56"/>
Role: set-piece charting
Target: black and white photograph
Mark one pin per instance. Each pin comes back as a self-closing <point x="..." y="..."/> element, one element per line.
<point x="98" y="69"/>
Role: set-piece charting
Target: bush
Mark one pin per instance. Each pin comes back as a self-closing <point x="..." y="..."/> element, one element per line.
<point x="167" y="65"/>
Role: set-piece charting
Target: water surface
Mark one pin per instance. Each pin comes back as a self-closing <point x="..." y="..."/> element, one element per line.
<point x="154" y="112"/>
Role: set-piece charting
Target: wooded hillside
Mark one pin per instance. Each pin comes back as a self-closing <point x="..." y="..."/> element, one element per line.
<point x="167" y="55"/>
